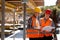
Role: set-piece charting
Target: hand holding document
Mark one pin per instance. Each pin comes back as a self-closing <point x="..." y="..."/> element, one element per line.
<point x="37" y="27"/>
<point x="48" y="28"/>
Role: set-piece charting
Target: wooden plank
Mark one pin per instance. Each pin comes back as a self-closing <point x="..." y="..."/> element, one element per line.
<point x="11" y="24"/>
<point x="7" y="31"/>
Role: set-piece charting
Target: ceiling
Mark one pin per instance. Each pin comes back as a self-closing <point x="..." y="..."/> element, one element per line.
<point x="17" y="4"/>
<point x="39" y="2"/>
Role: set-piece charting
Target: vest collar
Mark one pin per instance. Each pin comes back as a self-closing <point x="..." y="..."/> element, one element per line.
<point x="45" y="19"/>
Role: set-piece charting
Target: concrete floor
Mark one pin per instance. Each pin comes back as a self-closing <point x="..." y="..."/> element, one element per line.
<point x="18" y="35"/>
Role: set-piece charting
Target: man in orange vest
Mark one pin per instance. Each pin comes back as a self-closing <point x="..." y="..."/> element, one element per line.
<point x="33" y="25"/>
<point x="45" y="22"/>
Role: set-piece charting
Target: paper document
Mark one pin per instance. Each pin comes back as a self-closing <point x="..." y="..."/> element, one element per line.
<point x="48" y="28"/>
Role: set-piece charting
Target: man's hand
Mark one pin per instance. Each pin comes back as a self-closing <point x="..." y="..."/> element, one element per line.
<point x="53" y="31"/>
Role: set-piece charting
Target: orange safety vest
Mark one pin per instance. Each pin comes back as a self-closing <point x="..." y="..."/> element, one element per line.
<point x="33" y="33"/>
<point x="46" y="23"/>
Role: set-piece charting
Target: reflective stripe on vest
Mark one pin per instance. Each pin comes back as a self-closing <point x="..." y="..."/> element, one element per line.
<point x="46" y="23"/>
<point x="32" y="33"/>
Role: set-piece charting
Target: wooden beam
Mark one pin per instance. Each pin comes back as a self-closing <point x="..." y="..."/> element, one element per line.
<point x="13" y="1"/>
<point x="30" y="5"/>
<point x="9" y="8"/>
<point x="33" y="2"/>
<point x="38" y="1"/>
<point x="10" y="5"/>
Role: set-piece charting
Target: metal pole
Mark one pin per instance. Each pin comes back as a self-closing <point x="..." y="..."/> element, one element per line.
<point x="3" y="19"/>
<point x="14" y="22"/>
<point x="24" y="21"/>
